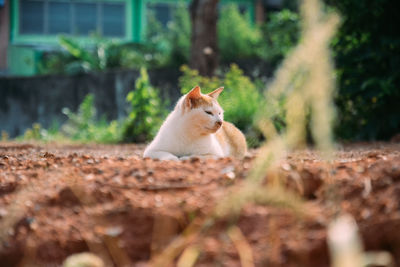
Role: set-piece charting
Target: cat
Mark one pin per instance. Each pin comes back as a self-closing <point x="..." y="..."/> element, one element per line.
<point x="196" y="127"/>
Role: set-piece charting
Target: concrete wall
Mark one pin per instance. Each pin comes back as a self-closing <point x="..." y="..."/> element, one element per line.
<point x="24" y="101"/>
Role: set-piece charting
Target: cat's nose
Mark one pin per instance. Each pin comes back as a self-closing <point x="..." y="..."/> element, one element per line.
<point x="219" y="123"/>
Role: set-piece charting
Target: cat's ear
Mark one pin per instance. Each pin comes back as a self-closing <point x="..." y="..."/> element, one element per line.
<point x="195" y="93"/>
<point x="192" y="96"/>
<point x="214" y="94"/>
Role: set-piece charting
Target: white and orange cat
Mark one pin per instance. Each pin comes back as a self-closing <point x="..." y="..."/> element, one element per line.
<point x="196" y="127"/>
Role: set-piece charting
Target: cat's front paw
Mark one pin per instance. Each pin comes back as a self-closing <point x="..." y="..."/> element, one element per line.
<point x="170" y="157"/>
<point x="186" y="157"/>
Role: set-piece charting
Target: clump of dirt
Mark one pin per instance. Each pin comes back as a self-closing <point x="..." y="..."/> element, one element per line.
<point x="58" y="200"/>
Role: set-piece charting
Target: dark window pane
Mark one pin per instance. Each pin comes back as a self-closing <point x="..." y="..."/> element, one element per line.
<point x="32" y="17"/>
<point x="113" y="20"/>
<point x="85" y="18"/>
<point x="161" y="11"/>
<point x="59" y="17"/>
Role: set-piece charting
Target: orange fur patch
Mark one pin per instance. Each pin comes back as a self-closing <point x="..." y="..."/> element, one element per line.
<point x="196" y="102"/>
<point x="231" y="136"/>
<point x="203" y="101"/>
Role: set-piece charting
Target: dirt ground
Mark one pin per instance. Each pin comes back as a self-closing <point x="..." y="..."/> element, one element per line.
<point x="56" y="200"/>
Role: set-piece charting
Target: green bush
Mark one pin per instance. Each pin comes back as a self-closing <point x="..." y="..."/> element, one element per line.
<point x="280" y="35"/>
<point x="84" y="126"/>
<point x="367" y="56"/>
<point x="102" y="54"/>
<point x="237" y="37"/>
<point x="179" y="34"/>
<point x="174" y="41"/>
<point x="240" y="100"/>
<point x="146" y="112"/>
<point x="38" y="133"/>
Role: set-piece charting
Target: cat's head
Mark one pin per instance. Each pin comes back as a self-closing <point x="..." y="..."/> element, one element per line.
<point x="202" y="110"/>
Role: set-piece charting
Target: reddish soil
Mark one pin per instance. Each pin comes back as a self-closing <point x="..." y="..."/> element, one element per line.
<point x="58" y="200"/>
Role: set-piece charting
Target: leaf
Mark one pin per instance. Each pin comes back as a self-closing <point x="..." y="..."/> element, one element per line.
<point x="77" y="51"/>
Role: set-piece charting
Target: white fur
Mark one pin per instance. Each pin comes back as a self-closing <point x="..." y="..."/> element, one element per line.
<point x="182" y="135"/>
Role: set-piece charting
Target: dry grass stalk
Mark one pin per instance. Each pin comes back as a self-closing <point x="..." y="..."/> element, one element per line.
<point x="189" y="257"/>
<point x="242" y="246"/>
<point x="344" y="243"/>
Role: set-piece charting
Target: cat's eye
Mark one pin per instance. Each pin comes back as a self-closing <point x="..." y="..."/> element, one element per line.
<point x="208" y="112"/>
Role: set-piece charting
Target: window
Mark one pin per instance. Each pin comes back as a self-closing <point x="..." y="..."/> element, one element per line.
<point x="32" y="17"/>
<point x="51" y="17"/>
<point x="59" y="17"/>
<point x="113" y="23"/>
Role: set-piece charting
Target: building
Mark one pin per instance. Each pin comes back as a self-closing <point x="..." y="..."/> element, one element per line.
<point x="29" y="27"/>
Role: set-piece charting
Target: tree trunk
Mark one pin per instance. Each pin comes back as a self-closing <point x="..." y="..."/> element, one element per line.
<point x="204" y="50"/>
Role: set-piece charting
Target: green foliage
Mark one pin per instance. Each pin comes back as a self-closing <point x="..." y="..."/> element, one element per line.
<point x="280" y="35"/>
<point x="367" y="55"/>
<point x="84" y="126"/>
<point x="4" y="136"/>
<point x="37" y="133"/>
<point x="174" y="41"/>
<point x="146" y="112"/>
<point x="179" y="33"/>
<point x="102" y="54"/>
<point x="190" y="78"/>
<point x="237" y="37"/>
<point x="240" y="100"/>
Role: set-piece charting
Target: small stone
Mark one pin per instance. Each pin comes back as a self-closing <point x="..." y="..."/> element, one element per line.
<point x="89" y="177"/>
<point x="365" y="214"/>
<point x="37" y="207"/>
<point x="359" y="169"/>
<point x="228" y="172"/>
<point x="227" y="169"/>
<point x="83" y="259"/>
<point x="230" y="175"/>
<point x="114" y="231"/>
<point x="10" y="231"/>
<point x="3" y="212"/>
<point x="158" y="200"/>
<point x="286" y="167"/>
<point x="118" y="180"/>
<point x="34" y="225"/>
<point x="29" y="203"/>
